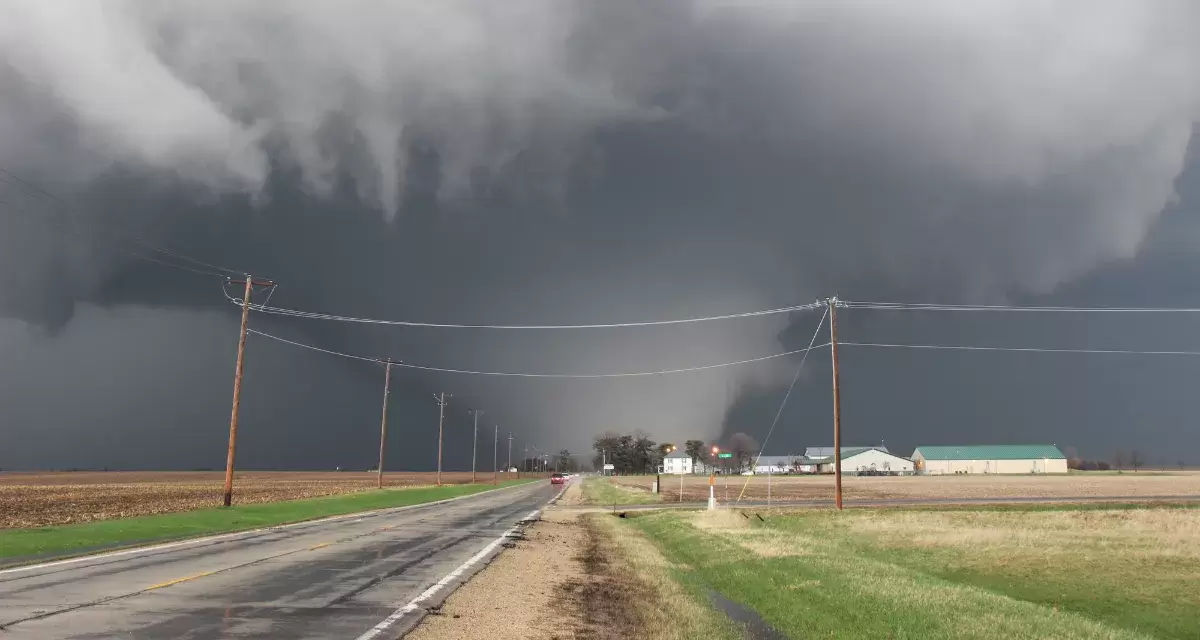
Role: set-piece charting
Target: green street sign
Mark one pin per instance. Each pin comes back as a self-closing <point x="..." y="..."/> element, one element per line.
<point x="724" y="455"/>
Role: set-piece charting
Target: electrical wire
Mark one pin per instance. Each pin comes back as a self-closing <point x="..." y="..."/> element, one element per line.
<point x="31" y="188"/>
<point x="910" y="306"/>
<point x="295" y="313"/>
<point x="398" y="363"/>
<point x="783" y="403"/>
<point x="1017" y="349"/>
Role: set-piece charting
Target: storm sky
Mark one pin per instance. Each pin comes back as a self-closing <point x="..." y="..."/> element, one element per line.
<point x="592" y="161"/>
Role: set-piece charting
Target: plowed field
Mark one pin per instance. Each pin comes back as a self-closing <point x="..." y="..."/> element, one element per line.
<point x="39" y="499"/>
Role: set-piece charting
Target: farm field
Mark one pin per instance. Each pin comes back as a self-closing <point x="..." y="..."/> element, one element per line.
<point x="1085" y="484"/>
<point x="34" y="499"/>
<point x="1066" y="571"/>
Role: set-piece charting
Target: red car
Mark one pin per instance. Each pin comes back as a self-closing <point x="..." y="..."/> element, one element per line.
<point x="557" y="478"/>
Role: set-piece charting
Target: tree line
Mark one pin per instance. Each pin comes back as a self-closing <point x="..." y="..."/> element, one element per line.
<point x="638" y="453"/>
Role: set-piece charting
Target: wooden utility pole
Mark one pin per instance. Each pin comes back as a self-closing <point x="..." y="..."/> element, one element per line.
<point x="441" y="401"/>
<point x="837" y="404"/>
<point x="509" y="451"/>
<point x="495" y="454"/>
<point x="387" y="385"/>
<point x="474" y="443"/>
<point x="237" y="381"/>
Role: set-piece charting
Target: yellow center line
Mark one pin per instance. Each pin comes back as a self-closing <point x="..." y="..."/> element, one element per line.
<point x="318" y="546"/>
<point x="178" y="580"/>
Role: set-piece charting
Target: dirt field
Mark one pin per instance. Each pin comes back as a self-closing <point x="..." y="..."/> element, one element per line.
<point x="37" y="499"/>
<point x="1129" y="484"/>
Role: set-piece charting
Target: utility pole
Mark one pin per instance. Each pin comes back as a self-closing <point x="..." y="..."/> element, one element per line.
<point x="837" y="403"/>
<point x="387" y="385"/>
<point x="509" y="451"/>
<point x="237" y="380"/>
<point x="441" y="401"/>
<point x="474" y="443"/>
<point x="495" y="456"/>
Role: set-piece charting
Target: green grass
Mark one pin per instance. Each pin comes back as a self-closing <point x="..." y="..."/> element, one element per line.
<point x="603" y="491"/>
<point x="956" y="573"/>
<point x="84" y="537"/>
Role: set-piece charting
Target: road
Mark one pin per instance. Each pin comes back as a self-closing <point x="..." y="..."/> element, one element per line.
<point x="363" y="576"/>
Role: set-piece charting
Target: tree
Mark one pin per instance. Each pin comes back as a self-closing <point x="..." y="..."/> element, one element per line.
<point x="1136" y="460"/>
<point x="565" y="461"/>
<point x="643" y="456"/>
<point x="664" y="448"/>
<point x="743" y="447"/>
<point x="1181" y="465"/>
<point x="695" y="450"/>
<point x="1119" y="460"/>
<point x="605" y="445"/>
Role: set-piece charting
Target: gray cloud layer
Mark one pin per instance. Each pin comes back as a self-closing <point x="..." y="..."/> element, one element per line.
<point x="583" y="160"/>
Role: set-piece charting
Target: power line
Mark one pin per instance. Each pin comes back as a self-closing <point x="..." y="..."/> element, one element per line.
<point x="296" y="313"/>
<point x="398" y="363"/>
<point x="32" y="188"/>
<point x="911" y="306"/>
<point x="1017" y="349"/>
<point x="783" y="403"/>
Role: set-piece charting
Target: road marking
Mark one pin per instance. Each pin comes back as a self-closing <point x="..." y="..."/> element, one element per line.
<point x="178" y="580"/>
<point x="415" y="603"/>
<point x="248" y="532"/>
<point x="319" y="546"/>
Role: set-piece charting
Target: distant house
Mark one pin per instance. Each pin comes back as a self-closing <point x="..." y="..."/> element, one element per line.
<point x="678" y="461"/>
<point x="992" y="458"/>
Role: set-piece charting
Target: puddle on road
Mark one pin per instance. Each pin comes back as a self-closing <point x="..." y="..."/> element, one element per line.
<point x="755" y="627"/>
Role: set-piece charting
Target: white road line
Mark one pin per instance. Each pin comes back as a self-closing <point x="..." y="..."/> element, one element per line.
<point x="245" y="533"/>
<point x="415" y="603"/>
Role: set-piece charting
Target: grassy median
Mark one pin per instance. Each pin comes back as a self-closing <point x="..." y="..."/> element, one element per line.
<point x="81" y="538"/>
<point x="1070" y="572"/>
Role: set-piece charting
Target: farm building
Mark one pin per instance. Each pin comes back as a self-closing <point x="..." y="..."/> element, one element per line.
<point x="777" y="464"/>
<point x="678" y="461"/>
<point x="994" y="458"/>
<point x="827" y="452"/>
<point x="866" y="460"/>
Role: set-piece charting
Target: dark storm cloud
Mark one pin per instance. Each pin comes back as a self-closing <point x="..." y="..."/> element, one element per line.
<point x="572" y="162"/>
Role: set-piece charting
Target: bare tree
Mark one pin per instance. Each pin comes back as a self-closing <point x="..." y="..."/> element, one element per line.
<point x="743" y="448"/>
<point x="1136" y="460"/>
<point x="1119" y="460"/>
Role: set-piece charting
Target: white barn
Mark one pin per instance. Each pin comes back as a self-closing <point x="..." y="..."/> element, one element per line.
<point x="994" y="458"/>
<point x="678" y="462"/>
<point x="873" y="460"/>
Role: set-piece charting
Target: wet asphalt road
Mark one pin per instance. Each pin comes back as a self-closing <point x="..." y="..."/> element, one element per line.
<point x="328" y="579"/>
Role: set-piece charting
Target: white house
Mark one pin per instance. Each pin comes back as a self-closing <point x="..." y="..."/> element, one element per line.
<point x="678" y="461"/>
<point x="995" y="458"/>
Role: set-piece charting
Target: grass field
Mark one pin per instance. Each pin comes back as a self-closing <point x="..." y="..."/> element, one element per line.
<point x="1127" y="484"/>
<point x="601" y="491"/>
<point x="1085" y="571"/>
<point x="59" y="540"/>
<point x="30" y="499"/>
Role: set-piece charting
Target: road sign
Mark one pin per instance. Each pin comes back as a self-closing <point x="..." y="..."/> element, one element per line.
<point x="724" y="455"/>
<point x="609" y="467"/>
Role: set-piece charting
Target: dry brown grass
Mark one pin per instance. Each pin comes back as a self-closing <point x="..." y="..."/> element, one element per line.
<point x="1181" y="483"/>
<point x="40" y="499"/>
